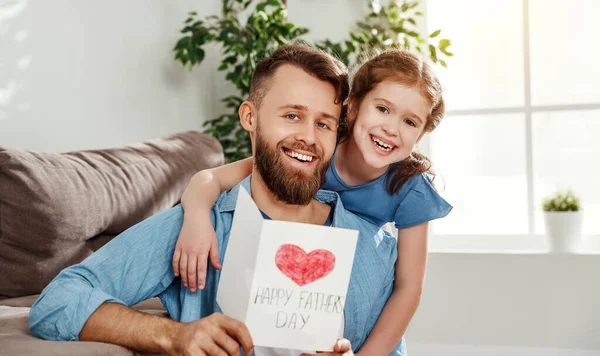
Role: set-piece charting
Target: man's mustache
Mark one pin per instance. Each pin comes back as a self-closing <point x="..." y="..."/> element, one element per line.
<point x="295" y="145"/>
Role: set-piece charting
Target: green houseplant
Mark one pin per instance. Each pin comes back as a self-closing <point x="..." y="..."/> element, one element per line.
<point x="563" y="219"/>
<point x="389" y="26"/>
<point x="245" y="43"/>
<point x="562" y="201"/>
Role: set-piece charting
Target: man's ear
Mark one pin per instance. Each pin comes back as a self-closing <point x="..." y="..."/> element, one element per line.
<point x="248" y="116"/>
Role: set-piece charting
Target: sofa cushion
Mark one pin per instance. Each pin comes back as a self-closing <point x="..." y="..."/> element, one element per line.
<point x="152" y="305"/>
<point x="53" y="207"/>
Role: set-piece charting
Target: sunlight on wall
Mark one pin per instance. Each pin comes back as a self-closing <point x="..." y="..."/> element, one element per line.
<point x="13" y="56"/>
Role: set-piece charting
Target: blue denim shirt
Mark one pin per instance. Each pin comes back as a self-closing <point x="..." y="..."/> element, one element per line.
<point x="136" y="265"/>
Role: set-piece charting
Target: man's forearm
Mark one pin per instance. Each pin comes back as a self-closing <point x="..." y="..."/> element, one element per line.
<point x="117" y="324"/>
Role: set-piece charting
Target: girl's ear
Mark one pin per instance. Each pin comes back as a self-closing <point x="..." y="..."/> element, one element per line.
<point x="248" y="116"/>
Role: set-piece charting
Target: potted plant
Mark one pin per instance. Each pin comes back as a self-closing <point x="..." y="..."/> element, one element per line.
<point x="563" y="219"/>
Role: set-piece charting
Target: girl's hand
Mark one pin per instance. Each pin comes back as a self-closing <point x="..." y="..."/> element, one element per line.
<point x="197" y="241"/>
<point x="342" y="347"/>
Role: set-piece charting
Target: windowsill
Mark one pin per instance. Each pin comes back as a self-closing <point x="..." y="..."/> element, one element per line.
<point x="506" y="244"/>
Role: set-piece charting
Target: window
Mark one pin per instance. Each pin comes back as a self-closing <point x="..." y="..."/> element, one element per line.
<point x="523" y="112"/>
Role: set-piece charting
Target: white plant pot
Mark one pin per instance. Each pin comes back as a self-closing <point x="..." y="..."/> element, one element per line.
<point x="563" y="229"/>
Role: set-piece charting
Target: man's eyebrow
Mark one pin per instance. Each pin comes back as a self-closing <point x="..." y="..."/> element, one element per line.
<point x="305" y="108"/>
<point x="294" y="106"/>
<point x="329" y="116"/>
<point x="411" y="114"/>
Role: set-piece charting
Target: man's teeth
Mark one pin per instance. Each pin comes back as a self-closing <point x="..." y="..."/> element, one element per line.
<point x="384" y="146"/>
<point x="298" y="156"/>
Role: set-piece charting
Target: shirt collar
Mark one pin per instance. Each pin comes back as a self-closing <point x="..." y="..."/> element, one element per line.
<point x="229" y="200"/>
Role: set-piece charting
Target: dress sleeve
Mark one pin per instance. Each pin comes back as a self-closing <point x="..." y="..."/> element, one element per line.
<point x="422" y="203"/>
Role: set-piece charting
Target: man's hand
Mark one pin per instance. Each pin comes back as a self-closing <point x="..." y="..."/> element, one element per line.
<point x="342" y="347"/>
<point x="216" y="335"/>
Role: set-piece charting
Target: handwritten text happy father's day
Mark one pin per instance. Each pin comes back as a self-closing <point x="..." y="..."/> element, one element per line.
<point x="302" y="302"/>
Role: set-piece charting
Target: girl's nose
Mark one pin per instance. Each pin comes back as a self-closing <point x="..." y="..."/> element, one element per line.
<point x="391" y="129"/>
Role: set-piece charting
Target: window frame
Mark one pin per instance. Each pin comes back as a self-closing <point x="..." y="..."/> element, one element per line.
<point x="531" y="242"/>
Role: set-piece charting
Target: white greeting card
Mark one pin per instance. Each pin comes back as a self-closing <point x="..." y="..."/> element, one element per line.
<point x="287" y="281"/>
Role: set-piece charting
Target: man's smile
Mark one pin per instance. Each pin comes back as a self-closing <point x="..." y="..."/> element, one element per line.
<point x="300" y="158"/>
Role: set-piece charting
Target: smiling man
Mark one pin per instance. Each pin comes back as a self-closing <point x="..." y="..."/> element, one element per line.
<point x="292" y="114"/>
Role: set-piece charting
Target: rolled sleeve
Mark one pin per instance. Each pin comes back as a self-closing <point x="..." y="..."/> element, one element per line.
<point x="64" y="307"/>
<point x="134" y="266"/>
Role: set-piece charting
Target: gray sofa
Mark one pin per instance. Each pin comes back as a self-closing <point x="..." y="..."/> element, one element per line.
<point x="56" y="209"/>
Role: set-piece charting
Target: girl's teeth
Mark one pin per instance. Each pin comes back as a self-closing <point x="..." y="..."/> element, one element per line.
<point x="381" y="144"/>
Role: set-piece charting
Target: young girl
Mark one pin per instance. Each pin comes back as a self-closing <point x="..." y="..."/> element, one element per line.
<point x="395" y="99"/>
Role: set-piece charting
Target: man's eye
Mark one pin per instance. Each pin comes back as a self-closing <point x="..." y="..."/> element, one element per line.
<point x="383" y="109"/>
<point x="292" y="116"/>
<point x="322" y="125"/>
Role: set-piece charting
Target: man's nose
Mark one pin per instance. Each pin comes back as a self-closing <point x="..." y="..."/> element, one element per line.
<point x="306" y="133"/>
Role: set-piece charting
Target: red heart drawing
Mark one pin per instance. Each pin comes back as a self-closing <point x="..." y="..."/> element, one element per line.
<point x="301" y="267"/>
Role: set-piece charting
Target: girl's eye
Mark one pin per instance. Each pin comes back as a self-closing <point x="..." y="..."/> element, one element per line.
<point x="411" y="123"/>
<point x="292" y="116"/>
<point x="383" y="109"/>
<point x="322" y="125"/>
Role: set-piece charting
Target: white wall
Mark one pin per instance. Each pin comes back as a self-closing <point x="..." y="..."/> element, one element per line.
<point x="90" y="74"/>
<point x="332" y="19"/>
<point x="515" y="301"/>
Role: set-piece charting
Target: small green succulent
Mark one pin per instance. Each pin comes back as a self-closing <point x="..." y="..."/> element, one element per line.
<point x="562" y="201"/>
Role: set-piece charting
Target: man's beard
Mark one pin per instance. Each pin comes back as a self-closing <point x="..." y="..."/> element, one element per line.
<point x="289" y="185"/>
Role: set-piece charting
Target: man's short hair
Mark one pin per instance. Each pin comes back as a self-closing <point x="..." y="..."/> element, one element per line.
<point x="312" y="60"/>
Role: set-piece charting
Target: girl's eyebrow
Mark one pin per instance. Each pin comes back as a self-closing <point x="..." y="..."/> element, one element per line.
<point x="387" y="102"/>
<point x="410" y="114"/>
